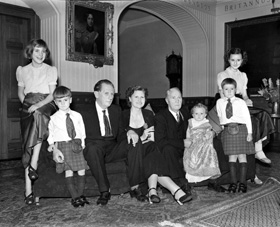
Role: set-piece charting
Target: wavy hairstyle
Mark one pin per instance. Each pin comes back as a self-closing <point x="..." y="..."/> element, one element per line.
<point x="130" y="91"/>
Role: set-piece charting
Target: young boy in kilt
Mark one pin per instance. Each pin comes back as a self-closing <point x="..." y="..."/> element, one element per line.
<point x="67" y="134"/>
<point x="236" y="136"/>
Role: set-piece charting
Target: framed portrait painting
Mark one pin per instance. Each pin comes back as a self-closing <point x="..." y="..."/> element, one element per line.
<point x="89" y="32"/>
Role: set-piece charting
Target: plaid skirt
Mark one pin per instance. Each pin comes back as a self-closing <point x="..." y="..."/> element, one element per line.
<point x="237" y="143"/>
<point x="72" y="161"/>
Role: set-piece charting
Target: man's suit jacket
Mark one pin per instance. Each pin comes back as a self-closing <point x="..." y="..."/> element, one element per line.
<point x="168" y="131"/>
<point x="93" y="127"/>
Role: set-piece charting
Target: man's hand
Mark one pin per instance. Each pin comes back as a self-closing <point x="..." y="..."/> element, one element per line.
<point x="131" y="135"/>
<point x="58" y="157"/>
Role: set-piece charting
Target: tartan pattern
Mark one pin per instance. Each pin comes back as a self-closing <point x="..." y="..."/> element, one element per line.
<point x="237" y="144"/>
<point x="72" y="161"/>
<point x="229" y="109"/>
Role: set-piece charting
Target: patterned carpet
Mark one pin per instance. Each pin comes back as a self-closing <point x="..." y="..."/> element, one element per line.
<point x="258" y="207"/>
<point x="120" y="211"/>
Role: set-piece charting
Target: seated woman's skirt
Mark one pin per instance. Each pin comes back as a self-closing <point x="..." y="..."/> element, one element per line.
<point x="34" y="126"/>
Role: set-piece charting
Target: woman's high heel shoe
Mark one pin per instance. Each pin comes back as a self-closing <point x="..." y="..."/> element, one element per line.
<point x="29" y="200"/>
<point x="32" y="173"/>
<point x="153" y="198"/>
<point x="183" y="199"/>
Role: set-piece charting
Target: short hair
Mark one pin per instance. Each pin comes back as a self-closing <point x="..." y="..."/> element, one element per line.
<point x="199" y="105"/>
<point x="28" y="51"/>
<point x="61" y="92"/>
<point x="98" y="85"/>
<point x="169" y="91"/>
<point x="228" y="81"/>
<point x="236" y="50"/>
<point x="130" y="91"/>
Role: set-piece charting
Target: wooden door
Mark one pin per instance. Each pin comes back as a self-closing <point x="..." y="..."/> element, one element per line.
<point x="17" y="26"/>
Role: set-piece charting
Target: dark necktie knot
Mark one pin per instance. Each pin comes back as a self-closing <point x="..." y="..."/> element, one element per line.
<point x="108" y="131"/>
<point x="70" y="127"/>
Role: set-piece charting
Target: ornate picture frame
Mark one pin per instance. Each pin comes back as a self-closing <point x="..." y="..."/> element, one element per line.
<point x="89" y="32"/>
<point x="260" y="38"/>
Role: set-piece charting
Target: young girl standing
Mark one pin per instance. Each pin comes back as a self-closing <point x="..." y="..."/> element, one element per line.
<point x="200" y="158"/>
<point x="36" y="83"/>
<point x="237" y="134"/>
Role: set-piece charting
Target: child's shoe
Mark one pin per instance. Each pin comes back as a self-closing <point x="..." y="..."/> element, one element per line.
<point x="77" y="202"/>
<point x="242" y="188"/>
<point x="232" y="188"/>
<point x="84" y="199"/>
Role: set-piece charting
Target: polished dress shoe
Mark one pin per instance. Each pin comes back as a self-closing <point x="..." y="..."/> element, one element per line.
<point x="77" y="202"/>
<point x="216" y="187"/>
<point x="242" y="188"/>
<point x="84" y="199"/>
<point x="136" y="193"/>
<point x="232" y="188"/>
<point x="104" y="198"/>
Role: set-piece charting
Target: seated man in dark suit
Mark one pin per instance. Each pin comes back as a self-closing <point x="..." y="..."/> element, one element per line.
<point x="106" y="139"/>
<point x="170" y="135"/>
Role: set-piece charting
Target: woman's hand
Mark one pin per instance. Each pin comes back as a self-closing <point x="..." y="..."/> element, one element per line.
<point x="33" y="108"/>
<point x="249" y="137"/>
<point x="249" y="102"/>
<point x="131" y="135"/>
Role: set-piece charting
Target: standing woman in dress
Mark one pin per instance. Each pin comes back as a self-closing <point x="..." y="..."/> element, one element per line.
<point x="36" y="83"/>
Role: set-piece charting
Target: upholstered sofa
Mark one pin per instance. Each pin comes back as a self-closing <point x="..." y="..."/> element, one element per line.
<point x="51" y="184"/>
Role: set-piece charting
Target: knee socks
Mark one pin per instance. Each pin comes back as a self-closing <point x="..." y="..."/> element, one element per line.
<point x="232" y="168"/>
<point x="81" y="184"/>
<point x="71" y="187"/>
<point x="243" y="172"/>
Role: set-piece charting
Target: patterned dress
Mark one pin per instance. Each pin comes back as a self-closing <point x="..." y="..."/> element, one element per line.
<point x="200" y="159"/>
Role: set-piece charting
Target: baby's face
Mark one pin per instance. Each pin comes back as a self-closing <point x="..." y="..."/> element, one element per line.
<point x="199" y="113"/>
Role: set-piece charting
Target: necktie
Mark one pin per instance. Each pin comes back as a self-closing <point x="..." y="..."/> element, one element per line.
<point x="70" y="127"/>
<point x="108" y="131"/>
<point x="229" y="109"/>
<point x="178" y="117"/>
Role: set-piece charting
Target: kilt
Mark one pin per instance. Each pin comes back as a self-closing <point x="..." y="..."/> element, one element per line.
<point x="237" y="143"/>
<point x="34" y="126"/>
<point x="72" y="161"/>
